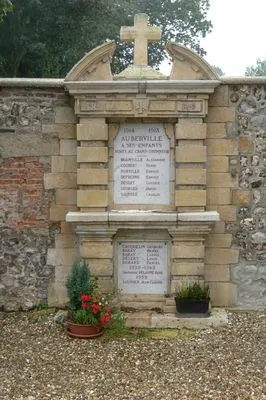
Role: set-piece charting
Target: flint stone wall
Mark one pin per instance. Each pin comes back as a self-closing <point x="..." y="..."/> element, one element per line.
<point x="249" y="232"/>
<point x="26" y="149"/>
<point x="38" y="182"/>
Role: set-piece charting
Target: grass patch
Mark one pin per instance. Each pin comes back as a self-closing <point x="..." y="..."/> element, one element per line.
<point x="40" y="315"/>
<point x="149" y="333"/>
<point x="167" y="333"/>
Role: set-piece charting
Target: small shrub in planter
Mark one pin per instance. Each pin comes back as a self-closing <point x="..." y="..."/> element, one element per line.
<point x="193" y="299"/>
<point x="89" y="310"/>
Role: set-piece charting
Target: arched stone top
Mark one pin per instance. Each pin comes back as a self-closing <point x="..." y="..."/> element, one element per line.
<point x="188" y="65"/>
<point x="95" y="65"/>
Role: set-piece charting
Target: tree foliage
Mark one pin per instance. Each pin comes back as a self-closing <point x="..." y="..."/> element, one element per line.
<point x="258" y="70"/>
<point x="218" y="70"/>
<point x="45" y="38"/>
<point x="5" y="7"/>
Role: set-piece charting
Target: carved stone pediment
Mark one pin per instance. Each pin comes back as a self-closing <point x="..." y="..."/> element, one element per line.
<point x="95" y="65"/>
<point x="188" y="65"/>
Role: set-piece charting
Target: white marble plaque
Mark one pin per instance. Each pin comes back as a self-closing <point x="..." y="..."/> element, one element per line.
<point x="141" y="165"/>
<point x="142" y="267"/>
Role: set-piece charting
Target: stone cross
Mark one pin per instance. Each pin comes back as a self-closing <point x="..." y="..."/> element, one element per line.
<point x="141" y="34"/>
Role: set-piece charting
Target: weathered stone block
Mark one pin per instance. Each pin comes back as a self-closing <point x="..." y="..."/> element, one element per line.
<point x="101" y="267"/>
<point x="64" y="163"/>
<point x="219" y="196"/>
<point x="190" y="176"/>
<point x="218" y="227"/>
<point x="62" y="257"/>
<point x="92" y="154"/>
<point x="92" y="176"/>
<point x="217" y="164"/>
<point x="65" y="241"/>
<point x="65" y="115"/>
<point x="94" y="129"/>
<point x="220" y="97"/>
<point x="183" y="250"/>
<point x="217" y="273"/>
<point x="139" y="319"/>
<point x="190" y="197"/>
<point x="217" y="147"/>
<point x="64" y="180"/>
<point x="63" y="131"/>
<point x="241" y="197"/>
<point x="96" y="250"/>
<point x="219" y="240"/>
<point x="227" y="213"/>
<point x="190" y="154"/>
<point x="191" y="131"/>
<point x="17" y="145"/>
<point x="92" y="198"/>
<point x="187" y="268"/>
<point x="68" y="147"/>
<point x="58" y="213"/>
<point x="106" y="285"/>
<point x="66" y="196"/>
<point x="246" y="145"/>
<point x="223" y="294"/>
<point x="216" y="130"/>
<point x="221" y="114"/>
<point x="57" y="294"/>
<point x="218" y="256"/>
<point x="220" y="179"/>
<point x="62" y="273"/>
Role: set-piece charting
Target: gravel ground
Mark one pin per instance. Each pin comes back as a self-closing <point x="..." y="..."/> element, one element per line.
<point x="38" y="361"/>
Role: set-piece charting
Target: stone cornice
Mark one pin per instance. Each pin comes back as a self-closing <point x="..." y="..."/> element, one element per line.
<point x="142" y="87"/>
<point x="141" y="216"/>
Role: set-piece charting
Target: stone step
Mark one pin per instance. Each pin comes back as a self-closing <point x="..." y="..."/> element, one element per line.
<point x="148" y="305"/>
<point x="169" y="301"/>
<point x="149" y="319"/>
<point x="170" y="309"/>
<point x="142" y="297"/>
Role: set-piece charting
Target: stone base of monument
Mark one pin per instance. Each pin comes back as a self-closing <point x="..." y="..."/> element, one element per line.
<point x="150" y="319"/>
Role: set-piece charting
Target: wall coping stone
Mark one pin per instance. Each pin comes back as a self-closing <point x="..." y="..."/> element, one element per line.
<point x="31" y="82"/>
<point x="151" y="86"/>
<point x="229" y="80"/>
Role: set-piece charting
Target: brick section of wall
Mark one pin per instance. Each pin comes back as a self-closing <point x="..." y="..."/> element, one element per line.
<point x="32" y="125"/>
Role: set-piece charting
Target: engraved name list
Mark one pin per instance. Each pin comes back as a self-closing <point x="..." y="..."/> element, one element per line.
<point x="141" y="165"/>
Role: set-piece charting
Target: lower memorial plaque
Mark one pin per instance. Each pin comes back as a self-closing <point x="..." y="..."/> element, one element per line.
<point x="142" y="267"/>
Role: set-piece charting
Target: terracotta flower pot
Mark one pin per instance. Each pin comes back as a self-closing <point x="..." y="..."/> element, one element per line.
<point x="83" y="331"/>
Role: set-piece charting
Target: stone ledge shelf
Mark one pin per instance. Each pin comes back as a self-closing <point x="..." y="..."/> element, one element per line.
<point x="141" y="216"/>
<point x="100" y="224"/>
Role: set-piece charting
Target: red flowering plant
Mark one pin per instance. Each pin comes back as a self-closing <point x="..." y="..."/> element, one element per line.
<point x="87" y="304"/>
<point x="95" y="309"/>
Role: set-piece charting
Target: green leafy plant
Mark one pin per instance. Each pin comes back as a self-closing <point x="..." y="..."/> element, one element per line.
<point x="79" y="282"/>
<point x="196" y="291"/>
<point x="86" y="303"/>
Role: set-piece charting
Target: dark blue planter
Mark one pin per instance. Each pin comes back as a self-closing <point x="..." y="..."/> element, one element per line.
<point x="192" y="306"/>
